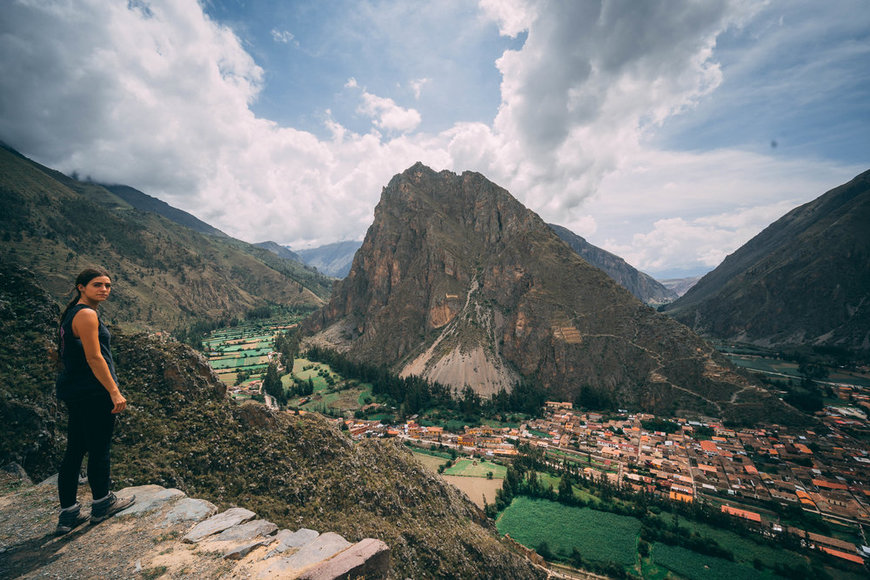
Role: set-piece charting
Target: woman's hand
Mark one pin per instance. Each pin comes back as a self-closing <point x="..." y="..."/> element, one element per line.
<point x="119" y="402"/>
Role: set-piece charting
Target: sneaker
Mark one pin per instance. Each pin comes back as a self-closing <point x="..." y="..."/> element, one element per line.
<point x="109" y="506"/>
<point x="69" y="519"/>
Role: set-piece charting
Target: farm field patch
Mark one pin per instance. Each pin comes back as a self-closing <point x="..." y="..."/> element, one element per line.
<point x="480" y="490"/>
<point x="242" y="349"/>
<point x="597" y="535"/>
<point x="430" y="462"/>
<point x="476" y="468"/>
<point x="477" y="489"/>
<point x="694" y="566"/>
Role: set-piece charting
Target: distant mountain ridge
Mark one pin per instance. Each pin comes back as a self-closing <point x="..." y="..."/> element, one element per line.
<point x="680" y="286"/>
<point x="804" y="280"/>
<point x="457" y="282"/>
<point x="280" y="251"/>
<point x="331" y="259"/>
<point x="644" y="287"/>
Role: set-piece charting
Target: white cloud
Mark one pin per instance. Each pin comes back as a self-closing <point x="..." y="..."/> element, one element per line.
<point x="160" y="99"/>
<point x="417" y="87"/>
<point x="591" y="79"/>
<point x="283" y="36"/>
<point x="386" y="114"/>
<point x="512" y="16"/>
<point x="687" y="211"/>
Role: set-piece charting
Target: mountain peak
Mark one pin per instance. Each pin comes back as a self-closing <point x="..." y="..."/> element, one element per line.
<point x="458" y="282"/>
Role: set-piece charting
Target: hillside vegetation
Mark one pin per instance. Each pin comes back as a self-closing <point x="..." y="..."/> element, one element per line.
<point x="166" y="276"/>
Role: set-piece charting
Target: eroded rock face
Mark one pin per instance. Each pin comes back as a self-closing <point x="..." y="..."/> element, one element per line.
<point x="456" y="281"/>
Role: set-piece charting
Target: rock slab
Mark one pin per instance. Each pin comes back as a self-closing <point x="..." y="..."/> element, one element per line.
<point x="218" y="523"/>
<point x="368" y="558"/>
<point x="321" y="548"/>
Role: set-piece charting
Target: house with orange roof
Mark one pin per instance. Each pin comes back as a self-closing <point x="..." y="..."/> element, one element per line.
<point x="676" y="496"/>
<point x="829" y="484"/>
<point x="709" y="446"/>
<point x="842" y="555"/>
<point x="745" y="514"/>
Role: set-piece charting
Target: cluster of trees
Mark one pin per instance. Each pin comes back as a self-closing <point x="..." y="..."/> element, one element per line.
<point x="272" y="385"/>
<point x="287" y="347"/>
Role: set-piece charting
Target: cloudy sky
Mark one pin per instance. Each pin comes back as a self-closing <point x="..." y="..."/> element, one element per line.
<point x="669" y="132"/>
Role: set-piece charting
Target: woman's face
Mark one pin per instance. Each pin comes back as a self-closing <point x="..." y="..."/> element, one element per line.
<point x="97" y="289"/>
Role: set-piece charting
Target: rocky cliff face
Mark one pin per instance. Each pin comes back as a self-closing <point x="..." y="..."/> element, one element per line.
<point x="642" y="286"/>
<point x="458" y="282"/>
<point x="804" y="280"/>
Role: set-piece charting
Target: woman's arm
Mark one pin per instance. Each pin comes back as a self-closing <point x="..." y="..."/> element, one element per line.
<point x="86" y="326"/>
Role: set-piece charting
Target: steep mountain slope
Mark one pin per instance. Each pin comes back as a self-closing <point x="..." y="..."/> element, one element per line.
<point x="166" y="275"/>
<point x="180" y="430"/>
<point x="642" y="286"/>
<point x="331" y="259"/>
<point x="145" y="202"/>
<point x="458" y="282"/>
<point x="803" y="280"/>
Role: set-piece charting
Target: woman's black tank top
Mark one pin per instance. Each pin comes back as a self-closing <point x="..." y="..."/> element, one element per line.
<point x="76" y="380"/>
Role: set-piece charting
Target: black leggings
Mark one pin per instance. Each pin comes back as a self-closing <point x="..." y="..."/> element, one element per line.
<point x="89" y="431"/>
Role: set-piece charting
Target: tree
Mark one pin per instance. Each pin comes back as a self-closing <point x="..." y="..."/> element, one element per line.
<point x="566" y="489"/>
<point x="272" y="385"/>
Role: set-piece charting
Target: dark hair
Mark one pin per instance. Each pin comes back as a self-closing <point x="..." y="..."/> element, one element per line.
<point x="84" y="277"/>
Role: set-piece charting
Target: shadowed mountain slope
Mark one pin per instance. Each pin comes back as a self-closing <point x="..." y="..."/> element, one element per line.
<point x="165" y="275"/>
<point x="456" y="281"/>
<point x="644" y="287"/>
<point x="804" y="280"/>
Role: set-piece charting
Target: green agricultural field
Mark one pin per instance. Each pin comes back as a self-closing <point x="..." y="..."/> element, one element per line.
<point x="238" y="362"/>
<point x="476" y="468"/>
<point x="744" y="549"/>
<point x="694" y="566"/>
<point x="597" y="535"/>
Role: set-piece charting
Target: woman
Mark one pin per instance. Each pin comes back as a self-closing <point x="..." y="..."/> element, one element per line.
<point x="88" y="385"/>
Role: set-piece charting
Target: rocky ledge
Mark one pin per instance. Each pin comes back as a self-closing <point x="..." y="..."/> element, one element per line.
<point x="166" y="534"/>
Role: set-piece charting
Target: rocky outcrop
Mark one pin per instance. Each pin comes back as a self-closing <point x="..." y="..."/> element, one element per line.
<point x="167" y="534"/>
<point x="457" y="282"/>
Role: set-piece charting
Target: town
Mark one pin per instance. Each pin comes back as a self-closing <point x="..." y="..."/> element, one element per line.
<point x="738" y="470"/>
